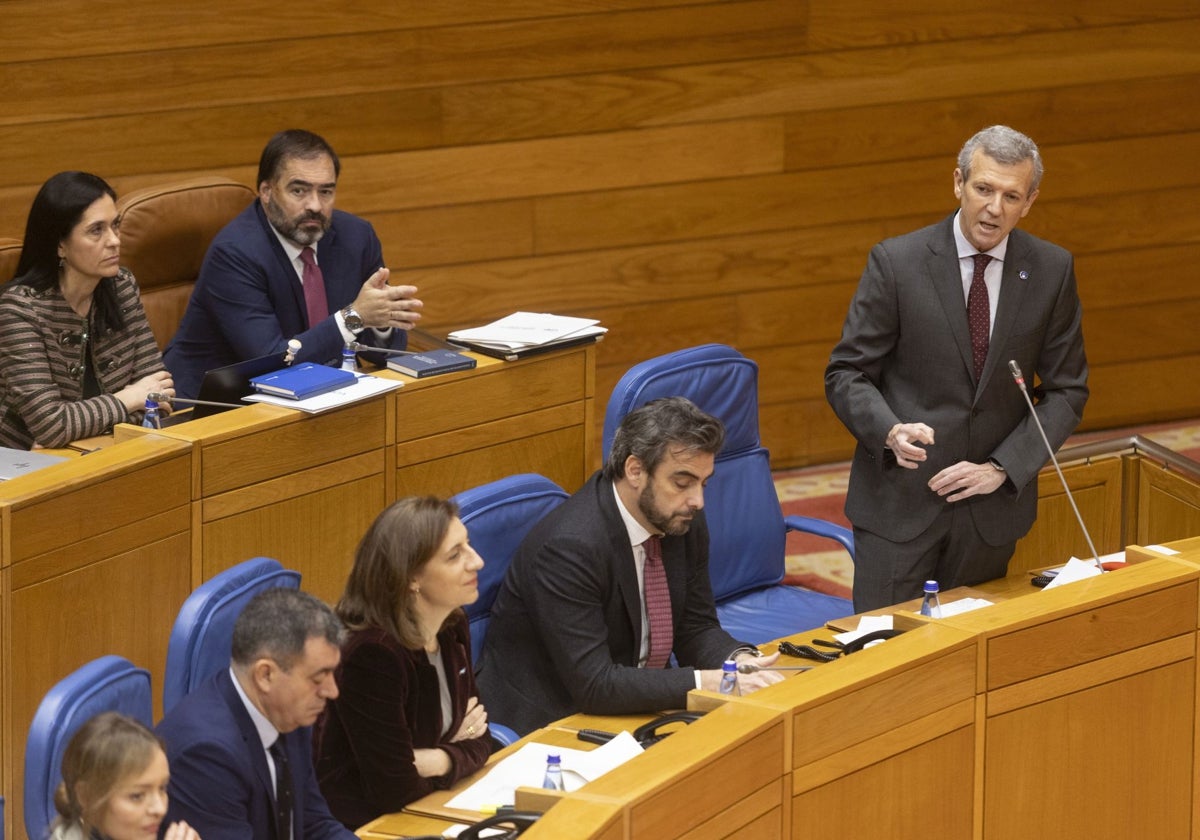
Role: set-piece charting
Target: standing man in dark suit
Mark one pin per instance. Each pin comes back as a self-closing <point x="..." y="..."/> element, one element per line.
<point x="574" y="624"/>
<point x="239" y="746"/>
<point x="290" y="266"/>
<point x="943" y="481"/>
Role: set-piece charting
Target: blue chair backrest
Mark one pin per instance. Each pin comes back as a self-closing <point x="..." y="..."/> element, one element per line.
<point x="109" y="683"/>
<point x="203" y="631"/>
<point x="498" y="515"/>
<point x="746" y="531"/>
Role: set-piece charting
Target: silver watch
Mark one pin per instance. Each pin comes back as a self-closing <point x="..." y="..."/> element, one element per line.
<point x="354" y="321"/>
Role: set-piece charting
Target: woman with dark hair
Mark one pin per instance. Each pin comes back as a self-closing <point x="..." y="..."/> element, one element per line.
<point x="407" y="720"/>
<point x="114" y="784"/>
<point x="76" y="352"/>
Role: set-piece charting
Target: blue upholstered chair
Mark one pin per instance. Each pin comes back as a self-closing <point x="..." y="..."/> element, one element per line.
<point x="109" y="683"/>
<point x="747" y="527"/>
<point x="203" y="631"/>
<point x="498" y="515"/>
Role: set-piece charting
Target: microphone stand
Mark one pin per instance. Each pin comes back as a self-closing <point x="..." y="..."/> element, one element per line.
<point x="1020" y="380"/>
<point x="751" y="668"/>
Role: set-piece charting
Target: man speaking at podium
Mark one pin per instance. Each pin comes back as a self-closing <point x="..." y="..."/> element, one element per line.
<point x="290" y="266"/>
<point x="944" y="477"/>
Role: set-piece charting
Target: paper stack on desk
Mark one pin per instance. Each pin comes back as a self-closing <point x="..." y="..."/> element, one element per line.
<point x="527" y="767"/>
<point x="523" y="333"/>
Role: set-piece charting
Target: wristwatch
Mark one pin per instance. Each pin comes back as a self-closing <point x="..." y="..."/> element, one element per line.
<point x="354" y="321"/>
<point x="995" y="465"/>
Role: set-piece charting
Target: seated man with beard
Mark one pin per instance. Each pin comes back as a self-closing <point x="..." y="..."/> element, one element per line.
<point x="290" y="266"/>
<point x="612" y="582"/>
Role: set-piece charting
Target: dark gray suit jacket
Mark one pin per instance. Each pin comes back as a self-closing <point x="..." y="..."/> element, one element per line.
<point x="905" y="356"/>
<point x="566" y="625"/>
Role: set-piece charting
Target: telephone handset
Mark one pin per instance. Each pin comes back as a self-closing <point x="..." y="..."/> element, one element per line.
<point x="648" y="733"/>
<point x="512" y="824"/>
<point x="864" y="640"/>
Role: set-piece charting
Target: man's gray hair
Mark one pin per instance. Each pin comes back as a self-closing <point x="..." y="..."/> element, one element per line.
<point x="277" y="623"/>
<point x="1004" y="145"/>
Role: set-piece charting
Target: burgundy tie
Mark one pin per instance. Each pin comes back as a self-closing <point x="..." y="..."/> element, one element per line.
<point x="314" y="289"/>
<point x="979" y="315"/>
<point x="658" y="606"/>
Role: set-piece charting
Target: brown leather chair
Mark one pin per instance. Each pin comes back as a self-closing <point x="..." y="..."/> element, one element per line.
<point x="10" y="254"/>
<point x="165" y="232"/>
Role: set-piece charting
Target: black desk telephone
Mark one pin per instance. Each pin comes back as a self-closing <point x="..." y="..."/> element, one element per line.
<point x="648" y="733"/>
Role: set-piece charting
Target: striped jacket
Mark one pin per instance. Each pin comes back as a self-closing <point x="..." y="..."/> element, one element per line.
<point x="44" y="345"/>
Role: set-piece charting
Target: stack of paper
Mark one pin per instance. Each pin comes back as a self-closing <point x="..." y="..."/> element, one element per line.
<point x="527" y="332"/>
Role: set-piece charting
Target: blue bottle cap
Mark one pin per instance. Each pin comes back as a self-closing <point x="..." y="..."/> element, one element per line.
<point x="931" y="586"/>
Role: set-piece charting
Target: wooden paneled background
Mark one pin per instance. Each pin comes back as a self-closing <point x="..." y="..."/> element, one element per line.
<point x="684" y="170"/>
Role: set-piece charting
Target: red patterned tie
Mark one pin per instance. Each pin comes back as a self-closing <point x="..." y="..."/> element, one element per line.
<point x="314" y="289"/>
<point x="658" y="606"/>
<point x="979" y="315"/>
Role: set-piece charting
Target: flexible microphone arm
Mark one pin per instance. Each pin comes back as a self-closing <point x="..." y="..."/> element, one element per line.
<point x="160" y="396"/>
<point x="751" y="668"/>
<point x="354" y="345"/>
<point x="1020" y="380"/>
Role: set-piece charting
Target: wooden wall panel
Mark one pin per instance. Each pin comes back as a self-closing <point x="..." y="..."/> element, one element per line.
<point x="685" y="171"/>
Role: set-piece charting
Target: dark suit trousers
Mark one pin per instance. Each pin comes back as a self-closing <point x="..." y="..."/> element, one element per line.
<point x="949" y="551"/>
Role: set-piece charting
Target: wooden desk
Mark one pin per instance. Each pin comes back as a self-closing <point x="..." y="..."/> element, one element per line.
<point x="301" y="488"/>
<point x="140" y="523"/>
<point x="964" y="727"/>
<point x="95" y="558"/>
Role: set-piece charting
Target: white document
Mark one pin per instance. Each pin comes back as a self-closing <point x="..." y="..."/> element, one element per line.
<point x="963" y="605"/>
<point x="365" y="387"/>
<point x="527" y="767"/>
<point x="1074" y="570"/>
<point x="866" y="624"/>
<point x="528" y="329"/>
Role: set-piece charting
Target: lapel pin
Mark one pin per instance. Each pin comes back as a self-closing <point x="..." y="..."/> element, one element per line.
<point x="1024" y="275"/>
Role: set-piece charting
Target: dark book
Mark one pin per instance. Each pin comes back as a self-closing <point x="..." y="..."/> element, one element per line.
<point x="304" y="380"/>
<point x="430" y="363"/>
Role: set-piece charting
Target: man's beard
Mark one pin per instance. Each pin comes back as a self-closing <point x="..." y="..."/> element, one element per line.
<point x="291" y="228"/>
<point x="672" y="526"/>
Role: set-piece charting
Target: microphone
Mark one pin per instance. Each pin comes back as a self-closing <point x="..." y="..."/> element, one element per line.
<point x="292" y="349"/>
<point x="160" y="396"/>
<point x="1020" y="380"/>
<point x="354" y="345"/>
<point x="751" y="668"/>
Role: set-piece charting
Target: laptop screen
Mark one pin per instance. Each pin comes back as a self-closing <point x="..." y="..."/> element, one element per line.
<point x="230" y="383"/>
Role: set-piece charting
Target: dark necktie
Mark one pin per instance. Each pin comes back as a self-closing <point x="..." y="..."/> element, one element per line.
<point x="658" y="606"/>
<point x="979" y="315"/>
<point x="314" y="289"/>
<point x="283" y="790"/>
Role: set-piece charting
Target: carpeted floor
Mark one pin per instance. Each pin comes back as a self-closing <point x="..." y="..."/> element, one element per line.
<point x="821" y="491"/>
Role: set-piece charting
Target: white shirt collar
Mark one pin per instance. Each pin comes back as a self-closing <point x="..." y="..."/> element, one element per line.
<point x="289" y="247"/>
<point x="966" y="249"/>
<point x="267" y="732"/>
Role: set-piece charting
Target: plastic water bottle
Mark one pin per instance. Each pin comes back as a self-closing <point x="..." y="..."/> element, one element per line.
<point x="151" y="419"/>
<point x="729" y="683"/>
<point x="348" y="361"/>
<point x="553" y="780"/>
<point x="930" y="605"/>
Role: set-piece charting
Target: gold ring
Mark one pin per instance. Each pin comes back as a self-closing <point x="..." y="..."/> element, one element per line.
<point x="470" y="730"/>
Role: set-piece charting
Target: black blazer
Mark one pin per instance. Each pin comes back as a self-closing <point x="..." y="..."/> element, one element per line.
<point x="566" y="625"/>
